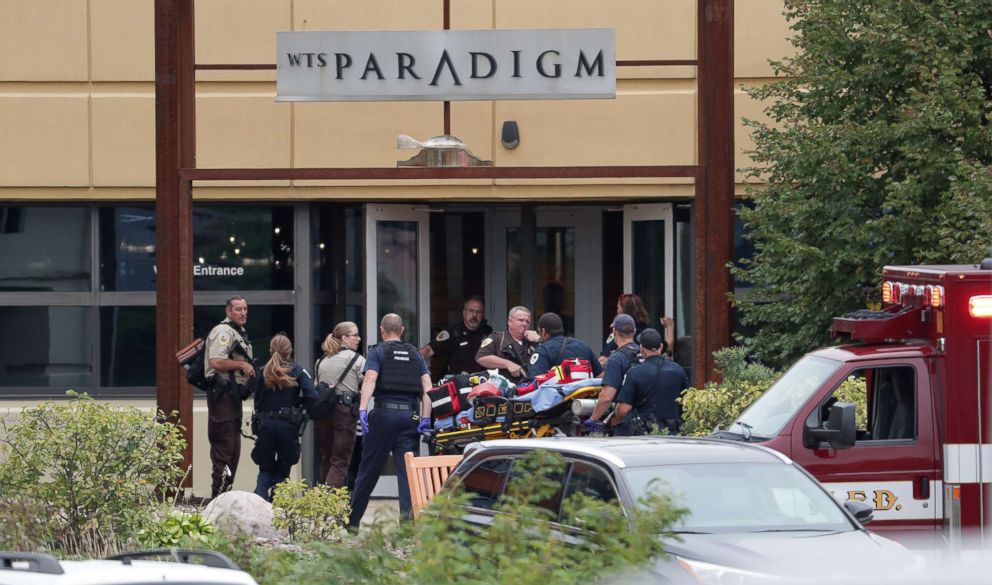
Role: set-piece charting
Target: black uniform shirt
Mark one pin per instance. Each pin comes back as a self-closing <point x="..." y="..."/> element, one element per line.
<point x="652" y="386"/>
<point x="458" y="345"/>
<point x="610" y="346"/>
<point x="273" y="400"/>
<point x="547" y="354"/>
<point x="502" y="344"/>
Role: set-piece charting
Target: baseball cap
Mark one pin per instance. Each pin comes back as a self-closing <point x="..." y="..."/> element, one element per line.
<point x="650" y="339"/>
<point x="624" y="323"/>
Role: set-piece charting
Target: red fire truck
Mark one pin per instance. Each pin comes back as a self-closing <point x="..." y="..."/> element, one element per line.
<point x="902" y="416"/>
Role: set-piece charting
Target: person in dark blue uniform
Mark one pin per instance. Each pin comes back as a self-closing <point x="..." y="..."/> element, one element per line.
<point x="623" y="330"/>
<point x="396" y="377"/>
<point x="458" y="344"/>
<point x="283" y="392"/>
<point x="555" y="347"/>
<point x="647" y="399"/>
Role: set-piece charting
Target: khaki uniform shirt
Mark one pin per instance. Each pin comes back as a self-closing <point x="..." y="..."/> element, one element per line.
<point x="221" y="344"/>
<point x="499" y="344"/>
<point x="329" y="369"/>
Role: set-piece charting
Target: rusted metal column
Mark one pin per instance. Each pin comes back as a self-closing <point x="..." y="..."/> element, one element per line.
<point x="715" y="187"/>
<point x="173" y="226"/>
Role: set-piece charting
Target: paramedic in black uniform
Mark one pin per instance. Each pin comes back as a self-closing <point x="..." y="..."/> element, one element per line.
<point x="396" y="377"/>
<point x="510" y="350"/>
<point x="649" y="391"/>
<point x="620" y="361"/>
<point x="458" y="344"/>
<point x="555" y="347"/>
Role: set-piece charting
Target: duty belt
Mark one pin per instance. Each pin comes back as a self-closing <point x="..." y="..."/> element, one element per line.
<point x="282" y="413"/>
<point x="396" y="405"/>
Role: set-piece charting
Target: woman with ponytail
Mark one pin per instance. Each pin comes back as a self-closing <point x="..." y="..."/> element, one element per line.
<point x="285" y="390"/>
<point x="341" y="366"/>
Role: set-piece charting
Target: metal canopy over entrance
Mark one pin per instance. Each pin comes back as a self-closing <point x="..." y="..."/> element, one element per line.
<point x="176" y="169"/>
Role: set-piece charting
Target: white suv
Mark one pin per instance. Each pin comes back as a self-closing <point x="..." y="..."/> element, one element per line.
<point x="186" y="566"/>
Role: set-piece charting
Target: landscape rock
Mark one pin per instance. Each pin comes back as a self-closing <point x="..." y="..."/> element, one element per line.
<point x="243" y="512"/>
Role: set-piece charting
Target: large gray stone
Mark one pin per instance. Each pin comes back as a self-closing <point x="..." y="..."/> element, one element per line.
<point x="242" y="512"/>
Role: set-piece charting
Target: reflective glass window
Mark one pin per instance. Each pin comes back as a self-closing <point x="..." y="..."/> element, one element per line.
<point x="242" y="248"/>
<point x="44" y="249"/>
<point x="127" y="346"/>
<point x="46" y="347"/>
<point x="397" y="246"/>
<point x="649" y="266"/>
<point x="554" y="260"/>
<point x="127" y="249"/>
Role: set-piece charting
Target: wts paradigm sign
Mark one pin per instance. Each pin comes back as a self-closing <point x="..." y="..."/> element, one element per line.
<point x="446" y="65"/>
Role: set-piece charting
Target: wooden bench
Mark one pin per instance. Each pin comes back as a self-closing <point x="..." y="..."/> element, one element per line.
<point x="426" y="475"/>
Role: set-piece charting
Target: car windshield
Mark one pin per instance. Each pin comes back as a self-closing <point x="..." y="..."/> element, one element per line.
<point x="778" y="405"/>
<point x="741" y="497"/>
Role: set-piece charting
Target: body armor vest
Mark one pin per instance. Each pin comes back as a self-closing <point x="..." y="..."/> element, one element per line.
<point x="399" y="372"/>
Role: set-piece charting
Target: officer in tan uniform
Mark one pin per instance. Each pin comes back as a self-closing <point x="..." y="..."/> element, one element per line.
<point x="510" y="351"/>
<point x="230" y="367"/>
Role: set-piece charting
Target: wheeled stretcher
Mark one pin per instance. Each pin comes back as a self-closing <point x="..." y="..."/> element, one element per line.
<point x="496" y="417"/>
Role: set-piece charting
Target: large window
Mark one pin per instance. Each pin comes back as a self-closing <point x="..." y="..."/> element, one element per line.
<point x="77" y="290"/>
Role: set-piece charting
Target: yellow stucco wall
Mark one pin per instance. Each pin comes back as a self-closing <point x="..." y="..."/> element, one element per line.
<point x="77" y="96"/>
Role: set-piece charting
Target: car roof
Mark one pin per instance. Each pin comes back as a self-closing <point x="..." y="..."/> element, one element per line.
<point x="106" y="572"/>
<point x="624" y="452"/>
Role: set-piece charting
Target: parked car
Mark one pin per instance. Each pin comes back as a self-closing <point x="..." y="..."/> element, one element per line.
<point x="185" y="566"/>
<point x="753" y="515"/>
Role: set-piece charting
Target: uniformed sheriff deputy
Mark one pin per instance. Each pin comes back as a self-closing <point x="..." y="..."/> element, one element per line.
<point x="458" y="344"/>
<point x="650" y="388"/>
<point x="396" y="376"/>
<point x="555" y="347"/>
<point x="283" y="392"/>
<point x="229" y="367"/>
<point x="620" y="361"/>
<point x="510" y="351"/>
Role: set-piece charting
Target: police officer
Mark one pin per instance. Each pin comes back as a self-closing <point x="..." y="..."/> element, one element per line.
<point x="647" y="397"/>
<point x="555" y="347"/>
<point x="284" y="390"/>
<point x="510" y="351"/>
<point x="229" y="367"/>
<point x="626" y="355"/>
<point x="396" y="376"/>
<point x="458" y="344"/>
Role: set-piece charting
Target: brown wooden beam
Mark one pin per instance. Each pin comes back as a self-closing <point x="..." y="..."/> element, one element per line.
<point x="714" y="199"/>
<point x="173" y="225"/>
<point x="411" y="173"/>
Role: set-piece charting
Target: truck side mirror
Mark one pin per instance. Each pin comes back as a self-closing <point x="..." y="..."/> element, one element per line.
<point x="838" y="430"/>
<point x="862" y="512"/>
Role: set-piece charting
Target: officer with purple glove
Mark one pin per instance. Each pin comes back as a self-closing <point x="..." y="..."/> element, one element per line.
<point x="396" y="376"/>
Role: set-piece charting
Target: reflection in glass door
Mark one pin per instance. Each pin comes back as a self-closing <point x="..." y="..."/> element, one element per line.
<point x="567" y="259"/>
<point x="396" y="261"/>
<point x="649" y="257"/>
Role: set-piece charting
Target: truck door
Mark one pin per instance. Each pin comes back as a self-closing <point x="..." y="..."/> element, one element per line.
<point x="893" y="464"/>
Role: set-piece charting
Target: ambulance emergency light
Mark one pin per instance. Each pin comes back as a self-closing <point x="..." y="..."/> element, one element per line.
<point x="932" y="295"/>
<point x="980" y="306"/>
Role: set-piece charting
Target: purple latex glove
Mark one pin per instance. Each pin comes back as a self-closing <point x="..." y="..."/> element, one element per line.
<point x="592" y="426"/>
<point x="363" y="419"/>
<point x="423" y="426"/>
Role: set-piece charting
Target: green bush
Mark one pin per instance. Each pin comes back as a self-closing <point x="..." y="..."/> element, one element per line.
<point x="310" y="513"/>
<point x="96" y="471"/>
<point x="703" y="409"/>
<point x="178" y="528"/>
<point x="519" y="546"/>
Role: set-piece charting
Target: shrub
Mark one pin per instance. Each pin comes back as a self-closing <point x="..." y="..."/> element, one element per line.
<point x="178" y="528"/>
<point x="96" y="470"/>
<point x="703" y="409"/>
<point x="310" y="513"/>
<point x="518" y="547"/>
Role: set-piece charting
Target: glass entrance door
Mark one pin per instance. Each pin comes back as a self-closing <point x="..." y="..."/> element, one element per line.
<point x="649" y="257"/>
<point x="567" y="262"/>
<point x="396" y="256"/>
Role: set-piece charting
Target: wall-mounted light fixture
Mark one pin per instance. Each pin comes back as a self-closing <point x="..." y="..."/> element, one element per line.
<point x="510" y="137"/>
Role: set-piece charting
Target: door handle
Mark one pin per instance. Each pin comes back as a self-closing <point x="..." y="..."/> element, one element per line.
<point x="921" y="488"/>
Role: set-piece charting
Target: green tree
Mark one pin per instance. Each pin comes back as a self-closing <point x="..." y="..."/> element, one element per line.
<point x="877" y="153"/>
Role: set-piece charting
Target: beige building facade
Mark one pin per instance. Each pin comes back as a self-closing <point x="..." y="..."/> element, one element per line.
<point x="77" y="185"/>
